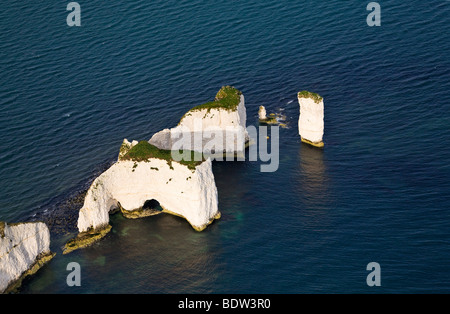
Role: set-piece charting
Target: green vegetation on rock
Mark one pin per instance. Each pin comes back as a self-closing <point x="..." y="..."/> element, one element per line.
<point x="2" y="228"/>
<point x="316" y="97"/>
<point x="144" y="150"/>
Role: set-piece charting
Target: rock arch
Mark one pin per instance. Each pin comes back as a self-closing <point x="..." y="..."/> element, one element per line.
<point x="128" y="185"/>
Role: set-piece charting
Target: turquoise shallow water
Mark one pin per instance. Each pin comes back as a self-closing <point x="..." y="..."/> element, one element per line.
<point x="378" y="191"/>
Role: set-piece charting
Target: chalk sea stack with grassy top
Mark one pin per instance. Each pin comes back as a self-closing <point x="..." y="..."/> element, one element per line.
<point x="142" y="175"/>
<point x="310" y="123"/>
<point x="223" y="120"/>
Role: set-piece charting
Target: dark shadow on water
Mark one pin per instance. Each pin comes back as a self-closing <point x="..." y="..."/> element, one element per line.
<point x="313" y="178"/>
<point x="235" y="184"/>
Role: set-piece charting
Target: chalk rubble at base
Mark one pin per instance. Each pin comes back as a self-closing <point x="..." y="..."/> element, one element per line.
<point x="24" y="248"/>
<point x="311" y="121"/>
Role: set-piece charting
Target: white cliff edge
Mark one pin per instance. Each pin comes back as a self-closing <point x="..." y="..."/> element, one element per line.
<point x="272" y="118"/>
<point x="210" y="130"/>
<point x="127" y="185"/>
<point x="24" y="248"/>
<point x="311" y="121"/>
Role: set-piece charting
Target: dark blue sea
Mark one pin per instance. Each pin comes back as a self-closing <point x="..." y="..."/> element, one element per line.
<point x="379" y="191"/>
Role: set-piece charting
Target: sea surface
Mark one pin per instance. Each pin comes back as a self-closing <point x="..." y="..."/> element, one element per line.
<point x="377" y="192"/>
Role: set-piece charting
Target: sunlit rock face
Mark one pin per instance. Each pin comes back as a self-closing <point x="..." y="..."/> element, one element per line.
<point x="311" y="121"/>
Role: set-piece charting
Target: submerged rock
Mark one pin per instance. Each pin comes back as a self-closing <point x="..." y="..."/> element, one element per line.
<point x="310" y="123"/>
<point x="24" y="249"/>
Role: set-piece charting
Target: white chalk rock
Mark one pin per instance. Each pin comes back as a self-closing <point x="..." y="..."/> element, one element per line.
<point x="262" y="114"/>
<point x="190" y="193"/>
<point x="208" y="129"/>
<point x="22" y="245"/>
<point x="311" y="121"/>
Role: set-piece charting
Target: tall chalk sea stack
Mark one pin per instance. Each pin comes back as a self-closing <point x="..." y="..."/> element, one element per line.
<point x="310" y="123"/>
<point x="24" y="248"/>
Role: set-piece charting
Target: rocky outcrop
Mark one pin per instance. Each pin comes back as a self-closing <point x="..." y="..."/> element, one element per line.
<point x="217" y="127"/>
<point x="125" y="147"/>
<point x="262" y="114"/>
<point x="310" y="123"/>
<point x="272" y="118"/>
<point x="24" y="248"/>
<point x="142" y="174"/>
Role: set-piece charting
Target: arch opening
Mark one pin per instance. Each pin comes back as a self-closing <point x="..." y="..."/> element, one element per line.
<point x="152" y="205"/>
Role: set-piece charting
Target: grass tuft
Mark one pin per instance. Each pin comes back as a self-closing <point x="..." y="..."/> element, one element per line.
<point x="144" y="150"/>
